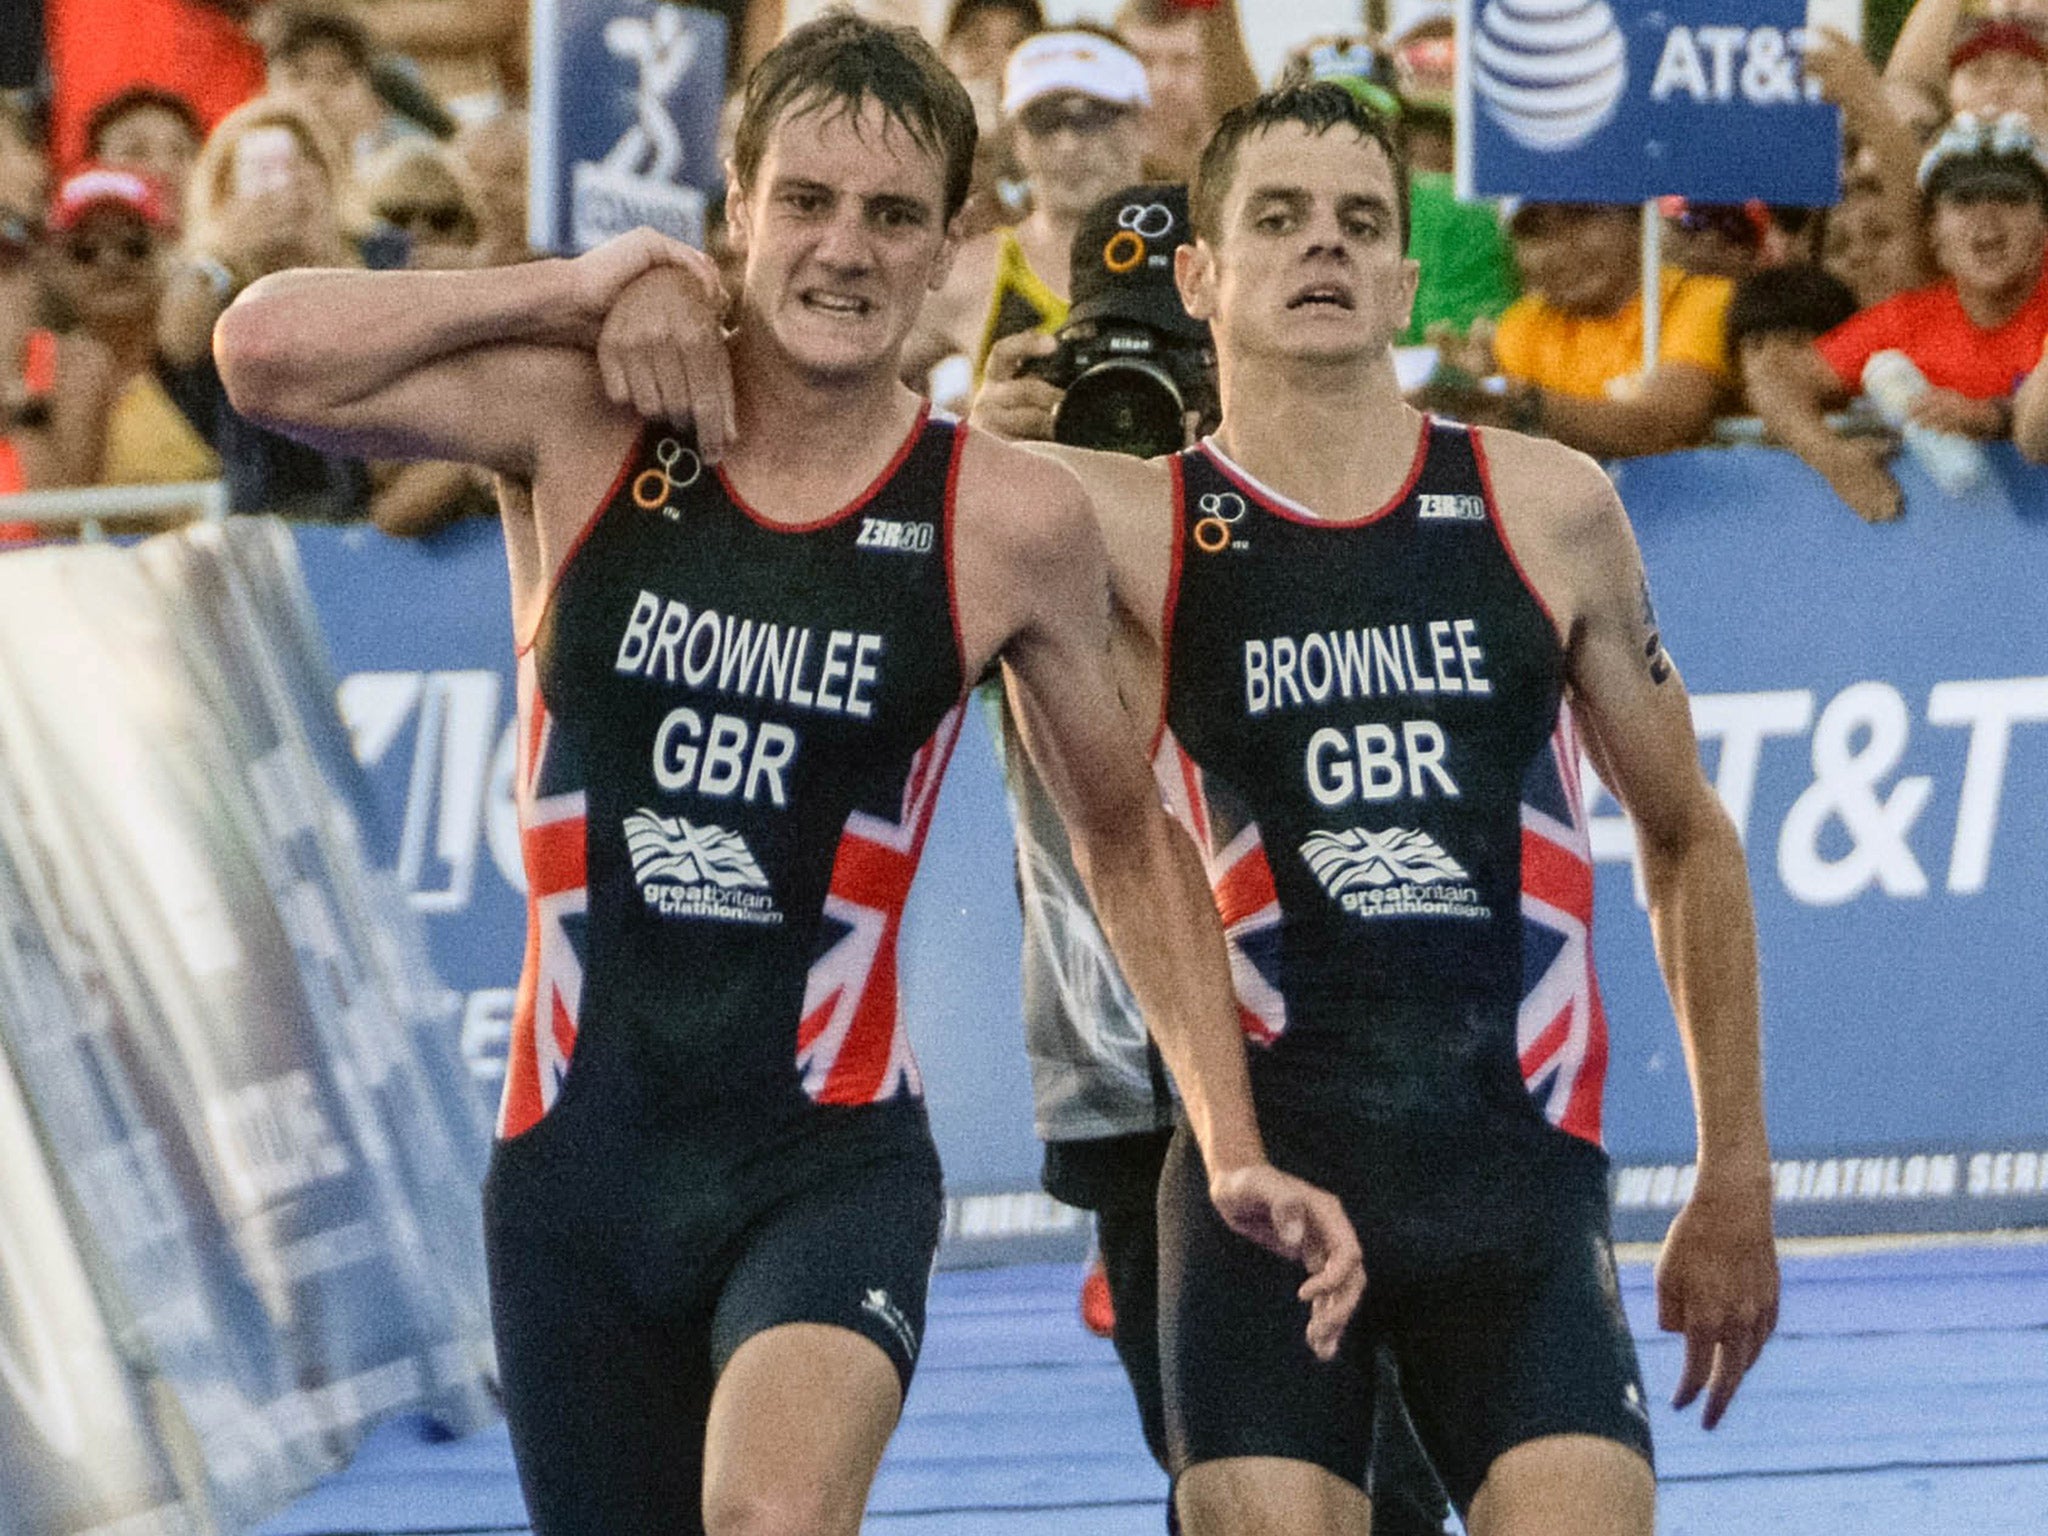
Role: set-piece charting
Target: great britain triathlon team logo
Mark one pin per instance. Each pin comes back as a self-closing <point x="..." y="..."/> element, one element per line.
<point x="1400" y="872"/>
<point x="691" y="871"/>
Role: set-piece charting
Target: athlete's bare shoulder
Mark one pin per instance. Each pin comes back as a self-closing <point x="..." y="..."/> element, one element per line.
<point x="1026" y="545"/>
<point x="1562" y="519"/>
<point x="1132" y="500"/>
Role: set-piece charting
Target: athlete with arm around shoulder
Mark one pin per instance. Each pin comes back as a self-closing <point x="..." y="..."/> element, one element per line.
<point x="1298" y="265"/>
<point x="852" y="162"/>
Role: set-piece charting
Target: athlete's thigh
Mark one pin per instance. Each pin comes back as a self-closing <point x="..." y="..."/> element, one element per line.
<point x="1236" y="1372"/>
<point x="798" y="1424"/>
<point x="1527" y="1350"/>
<point x="817" y="1331"/>
<point x="1566" y="1485"/>
<point x="606" y="1406"/>
<point x="1265" y="1496"/>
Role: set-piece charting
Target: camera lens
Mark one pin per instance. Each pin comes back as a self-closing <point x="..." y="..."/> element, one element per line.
<point x="1123" y="405"/>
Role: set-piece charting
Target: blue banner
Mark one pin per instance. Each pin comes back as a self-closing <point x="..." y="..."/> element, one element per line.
<point x="624" y="113"/>
<point x="1619" y="101"/>
<point x="1873" y="708"/>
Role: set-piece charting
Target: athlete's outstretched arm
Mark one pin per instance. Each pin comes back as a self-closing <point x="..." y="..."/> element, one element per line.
<point x="443" y="365"/>
<point x="1717" y="1280"/>
<point x="1037" y="559"/>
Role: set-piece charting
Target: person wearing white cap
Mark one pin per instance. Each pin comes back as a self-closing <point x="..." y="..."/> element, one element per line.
<point x="1074" y="102"/>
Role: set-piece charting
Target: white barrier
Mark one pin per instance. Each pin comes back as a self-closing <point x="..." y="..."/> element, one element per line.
<point x="89" y="508"/>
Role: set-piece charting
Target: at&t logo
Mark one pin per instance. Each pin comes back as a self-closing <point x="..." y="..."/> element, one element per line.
<point x="1549" y="72"/>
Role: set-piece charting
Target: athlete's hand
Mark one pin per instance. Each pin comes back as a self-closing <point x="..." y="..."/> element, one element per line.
<point x="1717" y="1283"/>
<point x="1307" y="1225"/>
<point x="601" y="274"/>
<point x="661" y="351"/>
<point x="1010" y="402"/>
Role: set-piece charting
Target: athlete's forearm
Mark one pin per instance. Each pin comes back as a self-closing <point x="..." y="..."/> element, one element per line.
<point x="302" y="342"/>
<point x="1701" y="916"/>
<point x="1154" y="905"/>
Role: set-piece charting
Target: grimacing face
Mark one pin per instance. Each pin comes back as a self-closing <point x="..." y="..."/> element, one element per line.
<point x="1306" y="260"/>
<point x="841" y="237"/>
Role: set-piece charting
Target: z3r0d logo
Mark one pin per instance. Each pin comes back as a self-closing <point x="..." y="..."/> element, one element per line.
<point x="692" y="871"/>
<point x="1396" y="873"/>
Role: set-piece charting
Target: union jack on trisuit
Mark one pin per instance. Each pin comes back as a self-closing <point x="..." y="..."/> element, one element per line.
<point x="1241" y="879"/>
<point x="548" y="796"/>
<point x="851" y="1044"/>
<point x="1561" y="1032"/>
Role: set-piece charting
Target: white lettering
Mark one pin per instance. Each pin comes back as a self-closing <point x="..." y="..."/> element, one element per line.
<point x="1331" y="784"/>
<point x="864" y="672"/>
<point x="837" y="665"/>
<point x="675" y="618"/>
<point x="633" y="643"/>
<point x="1379" y="763"/>
<point x="1315" y="658"/>
<point x="724" y="757"/>
<point x="1283" y="673"/>
<point x="774" y="749"/>
<point x="1257" y="691"/>
<point x="1679" y="68"/>
<point x="1470" y="655"/>
<point x="1440" y="653"/>
<point x="675" y="762"/>
<point x="1423" y="740"/>
<point x="700" y="661"/>
<point x="1990" y="709"/>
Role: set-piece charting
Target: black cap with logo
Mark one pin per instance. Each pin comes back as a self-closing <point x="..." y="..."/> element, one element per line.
<point x="1122" y="260"/>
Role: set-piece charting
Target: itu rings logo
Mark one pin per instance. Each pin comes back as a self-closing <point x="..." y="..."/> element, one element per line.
<point x="1221" y="512"/>
<point x="676" y="468"/>
<point x="1136" y="224"/>
<point x="1549" y="72"/>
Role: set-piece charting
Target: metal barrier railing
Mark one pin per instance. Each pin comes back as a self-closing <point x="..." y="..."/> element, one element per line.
<point x="90" y="508"/>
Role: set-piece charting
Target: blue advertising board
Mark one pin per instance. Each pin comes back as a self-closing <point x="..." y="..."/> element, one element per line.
<point x="624" y="120"/>
<point x="1619" y="101"/>
<point x="1872" y="706"/>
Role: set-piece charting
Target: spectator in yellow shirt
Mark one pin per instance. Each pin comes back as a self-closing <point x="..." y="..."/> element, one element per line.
<point x="1570" y="350"/>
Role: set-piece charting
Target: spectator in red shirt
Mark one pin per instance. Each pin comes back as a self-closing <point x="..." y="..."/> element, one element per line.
<point x="1974" y="334"/>
<point x="98" y="48"/>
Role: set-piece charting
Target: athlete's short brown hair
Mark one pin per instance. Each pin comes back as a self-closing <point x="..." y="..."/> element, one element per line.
<point x="1318" y="106"/>
<point x="839" y="63"/>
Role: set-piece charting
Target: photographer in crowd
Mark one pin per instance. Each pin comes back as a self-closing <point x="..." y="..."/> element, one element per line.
<point x="1074" y="104"/>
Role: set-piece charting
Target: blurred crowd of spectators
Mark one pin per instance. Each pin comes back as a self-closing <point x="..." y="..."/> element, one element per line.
<point x="173" y="151"/>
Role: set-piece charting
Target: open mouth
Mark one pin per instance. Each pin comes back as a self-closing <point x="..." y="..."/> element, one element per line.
<point x="1322" y="295"/>
<point x="846" y="304"/>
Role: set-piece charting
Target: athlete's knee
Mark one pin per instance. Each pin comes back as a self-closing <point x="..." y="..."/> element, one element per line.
<point x="1566" y="1485"/>
<point x="786" y="1509"/>
<point x="1269" y="1496"/>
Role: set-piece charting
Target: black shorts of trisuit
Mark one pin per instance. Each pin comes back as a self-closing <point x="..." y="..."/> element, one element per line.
<point x="628" y="1266"/>
<point x="1491" y="1353"/>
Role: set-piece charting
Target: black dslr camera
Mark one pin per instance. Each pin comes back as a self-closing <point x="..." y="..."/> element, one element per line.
<point x="1132" y="361"/>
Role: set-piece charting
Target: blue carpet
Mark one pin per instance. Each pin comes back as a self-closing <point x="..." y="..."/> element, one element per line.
<point x="1906" y="1390"/>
